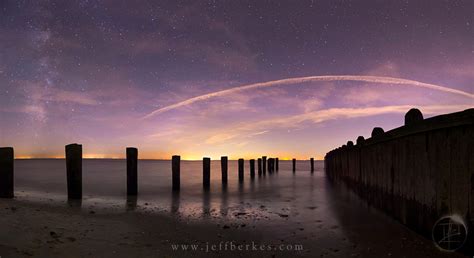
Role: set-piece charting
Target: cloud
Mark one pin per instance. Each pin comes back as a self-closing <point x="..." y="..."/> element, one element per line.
<point x="37" y="91"/>
<point x="73" y="97"/>
<point x="221" y="137"/>
<point x="260" y="133"/>
<point x="299" y="121"/>
<point x="288" y="81"/>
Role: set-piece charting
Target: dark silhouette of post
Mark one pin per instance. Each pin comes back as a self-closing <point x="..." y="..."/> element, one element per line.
<point x="294" y="165"/>
<point x="271" y="165"/>
<point x="224" y="169"/>
<point x="252" y="168"/>
<point x="413" y="116"/>
<point x="132" y="168"/>
<point x="264" y="163"/>
<point x="312" y="164"/>
<point x="175" y="170"/>
<point x="74" y="170"/>
<point x="6" y="172"/>
<point x="206" y="173"/>
<point x="259" y="161"/>
<point x="241" y="170"/>
<point x="377" y="131"/>
<point x="276" y="164"/>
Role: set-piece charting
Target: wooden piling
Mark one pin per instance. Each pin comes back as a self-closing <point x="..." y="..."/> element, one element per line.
<point x="312" y="165"/>
<point x="206" y="173"/>
<point x="224" y="162"/>
<point x="132" y="168"/>
<point x="252" y="168"/>
<point x="377" y="131"/>
<point x="74" y="170"/>
<point x="175" y="168"/>
<point x="271" y="165"/>
<point x="294" y="165"/>
<point x="413" y="116"/>
<point x="264" y="163"/>
<point x="276" y="164"/>
<point x="241" y="170"/>
<point x="6" y="172"/>
<point x="259" y="161"/>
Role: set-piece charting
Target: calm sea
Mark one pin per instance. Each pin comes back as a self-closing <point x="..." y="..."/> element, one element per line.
<point x="285" y="204"/>
<point x="104" y="182"/>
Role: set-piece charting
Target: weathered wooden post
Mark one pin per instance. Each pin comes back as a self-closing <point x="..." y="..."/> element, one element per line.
<point x="6" y="172"/>
<point x="377" y="131"/>
<point x="259" y="166"/>
<point x="413" y="116"/>
<point x="294" y="165"/>
<point x="241" y="170"/>
<point x="74" y="170"/>
<point x="132" y="164"/>
<point x="264" y="163"/>
<point x="312" y="165"/>
<point x="175" y="168"/>
<point x="271" y="165"/>
<point x="276" y="164"/>
<point x="224" y="161"/>
<point x="206" y="173"/>
<point x="252" y="168"/>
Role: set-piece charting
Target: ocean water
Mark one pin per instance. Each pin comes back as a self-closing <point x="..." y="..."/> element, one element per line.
<point x="280" y="195"/>
<point x="104" y="182"/>
<point x="279" y="203"/>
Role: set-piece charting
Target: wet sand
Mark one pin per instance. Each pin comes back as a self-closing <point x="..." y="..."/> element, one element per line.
<point x="60" y="229"/>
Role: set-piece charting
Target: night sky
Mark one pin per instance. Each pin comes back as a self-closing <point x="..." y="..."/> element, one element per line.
<point x="111" y="74"/>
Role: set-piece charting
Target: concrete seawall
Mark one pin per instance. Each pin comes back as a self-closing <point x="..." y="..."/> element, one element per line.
<point x="416" y="173"/>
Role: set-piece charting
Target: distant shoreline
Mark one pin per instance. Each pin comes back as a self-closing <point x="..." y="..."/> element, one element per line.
<point x="148" y="159"/>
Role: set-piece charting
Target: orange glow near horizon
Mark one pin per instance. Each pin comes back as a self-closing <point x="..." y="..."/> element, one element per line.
<point x="186" y="156"/>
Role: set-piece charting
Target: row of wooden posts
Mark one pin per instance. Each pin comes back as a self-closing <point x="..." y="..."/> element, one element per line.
<point x="74" y="170"/>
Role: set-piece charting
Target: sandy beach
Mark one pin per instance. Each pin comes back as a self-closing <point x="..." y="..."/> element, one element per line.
<point x="50" y="228"/>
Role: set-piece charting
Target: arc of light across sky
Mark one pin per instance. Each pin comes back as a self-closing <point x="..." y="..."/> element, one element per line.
<point x="360" y="78"/>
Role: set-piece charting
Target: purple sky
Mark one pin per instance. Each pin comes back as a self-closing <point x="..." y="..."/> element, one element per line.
<point x="111" y="74"/>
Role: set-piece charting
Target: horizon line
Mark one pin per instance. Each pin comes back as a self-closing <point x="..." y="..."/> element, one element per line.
<point x="281" y="159"/>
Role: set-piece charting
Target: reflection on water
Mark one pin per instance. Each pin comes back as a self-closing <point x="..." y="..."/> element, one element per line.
<point x="131" y="202"/>
<point x="280" y="195"/>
